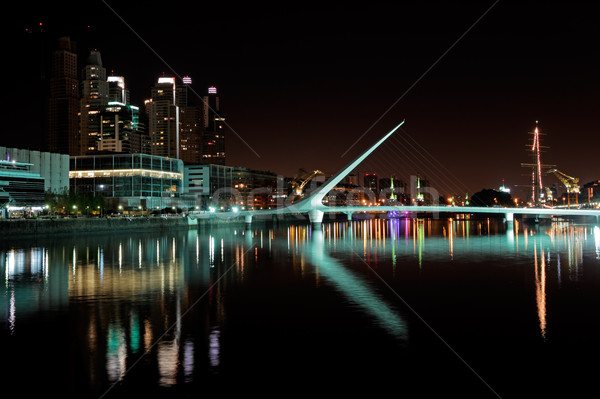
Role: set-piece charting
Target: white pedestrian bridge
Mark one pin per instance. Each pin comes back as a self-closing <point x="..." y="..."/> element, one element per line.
<point x="313" y="206"/>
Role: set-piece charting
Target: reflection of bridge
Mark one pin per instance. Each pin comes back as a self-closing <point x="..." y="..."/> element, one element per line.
<point x="314" y="207"/>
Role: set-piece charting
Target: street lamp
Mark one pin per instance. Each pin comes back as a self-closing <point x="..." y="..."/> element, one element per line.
<point x="75" y="209"/>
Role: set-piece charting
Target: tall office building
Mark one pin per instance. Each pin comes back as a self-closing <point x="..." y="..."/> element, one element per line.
<point x="117" y="92"/>
<point x="190" y="134"/>
<point x="213" y="136"/>
<point x="94" y="97"/>
<point x="163" y="118"/>
<point x="190" y="127"/>
<point x="123" y="127"/>
<point x="122" y="131"/>
<point x="63" y="102"/>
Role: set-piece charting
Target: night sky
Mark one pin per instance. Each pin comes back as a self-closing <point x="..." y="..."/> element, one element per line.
<point x="308" y="86"/>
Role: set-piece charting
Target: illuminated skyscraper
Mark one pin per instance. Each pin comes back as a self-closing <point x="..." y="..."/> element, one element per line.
<point x="122" y="131"/>
<point x="190" y="134"/>
<point x="94" y="97"/>
<point x="163" y="118"/>
<point x="117" y="92"/>
<point x="190" y="127"/>
<point x="213" y="136"/>
<point x="63" y="102"/>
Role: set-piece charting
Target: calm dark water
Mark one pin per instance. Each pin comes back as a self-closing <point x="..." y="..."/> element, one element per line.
<point x="407" y="307"/>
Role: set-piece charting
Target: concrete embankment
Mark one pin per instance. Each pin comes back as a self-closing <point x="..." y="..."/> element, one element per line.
<point x="45" y="227"/>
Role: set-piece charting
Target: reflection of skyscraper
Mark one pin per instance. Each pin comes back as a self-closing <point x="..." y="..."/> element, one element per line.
<point x="213" y="136"/>
<point x="63" y="102"/>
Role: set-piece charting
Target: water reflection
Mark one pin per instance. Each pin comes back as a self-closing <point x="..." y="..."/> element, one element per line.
<point x="353" y="287"/>
<point x="540" y="287"/>
<point x="167" y="296"/>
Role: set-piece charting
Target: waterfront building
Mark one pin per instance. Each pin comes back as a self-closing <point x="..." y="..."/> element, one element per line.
<point x="213" y="135"/>
<point x="370" y="182"/>
<point x="130" y="181"/>
<point x="221" y="187"/>
<point x="349" y="195"/>
<point x="94" y="98"/>
<point x="392" y="189"/>
<point x="52" y="167"/>
<point x="351" y="179"/>
<point x="590" y="194"/>
<point x="21" y="189"/>
<point x="208" y="185"/>
<point x="256" y="189"/>
<point x="63" y="102"/>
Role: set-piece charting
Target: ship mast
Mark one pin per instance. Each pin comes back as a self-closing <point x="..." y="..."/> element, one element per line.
<point x="537" y="187"/>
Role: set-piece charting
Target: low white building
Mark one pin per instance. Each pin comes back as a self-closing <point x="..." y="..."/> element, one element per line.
<point x="52" y="167"/>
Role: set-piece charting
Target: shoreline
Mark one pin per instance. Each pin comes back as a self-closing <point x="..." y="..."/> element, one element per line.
<point x="64" y="227"/>
<point x="30" y="228"/>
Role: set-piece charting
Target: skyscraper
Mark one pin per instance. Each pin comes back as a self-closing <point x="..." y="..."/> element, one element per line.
<point x="123" y="128"/>
<point x="190" y="134"/>
<point x="213" y="136"/>
<point x="163" y="118"/>
<point x="117" y="91"/>
<point x="190" y="128"/>
<point x="63" y="102"/>
<point x="94" y="97"/>
<point x="122" y="131"/>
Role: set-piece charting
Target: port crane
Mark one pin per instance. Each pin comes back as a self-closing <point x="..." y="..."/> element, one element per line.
<point x="570" y="183"/>
<point x="298" y="185"/>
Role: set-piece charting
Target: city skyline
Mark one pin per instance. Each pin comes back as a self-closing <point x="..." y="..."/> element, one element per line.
<point x="470" y="80"/>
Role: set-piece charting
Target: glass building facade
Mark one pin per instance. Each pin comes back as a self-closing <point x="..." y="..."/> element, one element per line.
<point x="136" y="179"/>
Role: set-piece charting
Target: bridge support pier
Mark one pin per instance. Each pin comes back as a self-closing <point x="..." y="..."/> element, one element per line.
<point x="349" y="215"/>
<point x="316" y="217"/>
<point x="509" y="217"/>
<point x="248" y="219"/>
